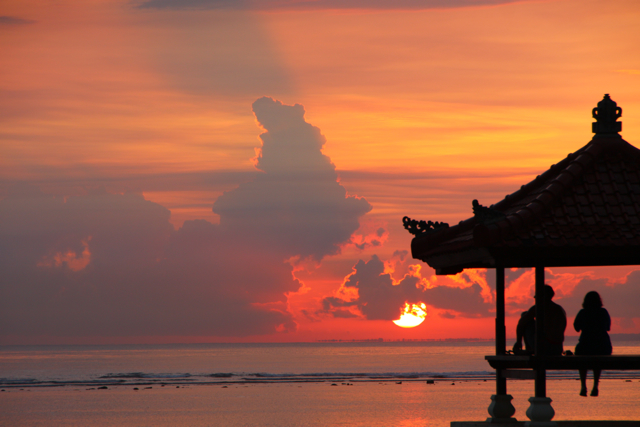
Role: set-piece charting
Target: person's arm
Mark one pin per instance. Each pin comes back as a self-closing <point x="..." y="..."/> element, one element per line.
<point x="608" y="319"/>
<point x="577" y="323"/>
<point x="519" y="335"/>
<point x="525" y="319"/>
<point x="518" y="344"/>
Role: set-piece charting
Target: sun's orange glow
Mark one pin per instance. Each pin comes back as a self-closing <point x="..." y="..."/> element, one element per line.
<point x="413" y="315"/>
<point x="111" y="99"/>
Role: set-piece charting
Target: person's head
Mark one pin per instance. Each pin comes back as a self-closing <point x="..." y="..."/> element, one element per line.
<point x="592" y="300"/>
<point x="548" y="292"/>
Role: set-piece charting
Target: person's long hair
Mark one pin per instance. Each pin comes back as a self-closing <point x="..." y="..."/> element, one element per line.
<point x="592" y="300"/>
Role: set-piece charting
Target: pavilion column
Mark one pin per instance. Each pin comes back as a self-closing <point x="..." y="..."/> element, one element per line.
<point x="540" y="411"/>
<point x="501" y="409"/>
<point x="541" y="383"/>
<point x="501" y="336"/>
<point x="501" y="339"/>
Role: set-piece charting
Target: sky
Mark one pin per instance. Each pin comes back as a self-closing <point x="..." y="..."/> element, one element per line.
<point x="237" y="171"/>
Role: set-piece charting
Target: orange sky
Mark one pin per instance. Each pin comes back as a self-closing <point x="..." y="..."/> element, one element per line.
<point x="423" y="110"/>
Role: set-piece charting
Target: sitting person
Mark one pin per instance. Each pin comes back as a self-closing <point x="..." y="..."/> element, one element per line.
<point x="593" y="323"/>
<point x="555" y="322"/>
<point x="526" y="331"/>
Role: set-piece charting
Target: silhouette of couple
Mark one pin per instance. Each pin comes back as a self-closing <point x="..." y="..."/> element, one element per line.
<point x="593" y="323"/>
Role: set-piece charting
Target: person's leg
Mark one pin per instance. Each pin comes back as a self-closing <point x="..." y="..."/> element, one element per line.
<point x="583" y="382"/>
<point x="596" y="380"/>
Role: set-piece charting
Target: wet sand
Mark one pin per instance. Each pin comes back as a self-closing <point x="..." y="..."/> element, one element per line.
<point x="412" y="403"/>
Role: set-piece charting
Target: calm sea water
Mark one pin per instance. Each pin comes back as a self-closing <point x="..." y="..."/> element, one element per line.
<point x="311" y="384"/>
<point x="206" y="363"/>
<point x="214" y="363"/>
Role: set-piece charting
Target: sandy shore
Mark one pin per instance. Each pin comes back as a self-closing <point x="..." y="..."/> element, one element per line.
<point x="308" y="404"/>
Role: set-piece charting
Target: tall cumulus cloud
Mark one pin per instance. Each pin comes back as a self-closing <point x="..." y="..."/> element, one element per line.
<point x="297" y="203"/>
<point x="112" y="265"/>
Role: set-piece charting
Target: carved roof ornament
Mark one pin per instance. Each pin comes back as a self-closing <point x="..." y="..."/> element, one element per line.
<point x="485" y="214"/>
<point x="606" y="114"/>
<point x="417" y="228"/>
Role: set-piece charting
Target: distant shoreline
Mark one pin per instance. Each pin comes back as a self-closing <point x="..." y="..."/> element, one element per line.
<point x="375" y="340"/>
<point x="614" y="337"/>
<point x="569" y="340"/>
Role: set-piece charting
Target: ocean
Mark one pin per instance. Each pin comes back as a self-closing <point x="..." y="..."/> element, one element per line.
<point x="293" y="384"/>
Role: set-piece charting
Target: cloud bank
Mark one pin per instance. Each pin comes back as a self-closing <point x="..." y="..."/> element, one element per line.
<point x="14" y="20"/>
<point x="111" y="265"/>
<point x="316" y="5"/>
<point x="620" y="299"/>
<point x="619" y="295"/>
<point x="377" y="296"/>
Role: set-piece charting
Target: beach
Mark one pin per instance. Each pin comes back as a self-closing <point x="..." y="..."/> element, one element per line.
<point x="412" y="403"/>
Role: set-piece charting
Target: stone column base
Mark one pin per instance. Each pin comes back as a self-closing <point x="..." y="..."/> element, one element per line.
<point x="501" y="409"/>
<point x="540" y="413"/>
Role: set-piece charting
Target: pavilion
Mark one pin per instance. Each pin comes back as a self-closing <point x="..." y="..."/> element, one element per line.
<point x="583" y="211"/>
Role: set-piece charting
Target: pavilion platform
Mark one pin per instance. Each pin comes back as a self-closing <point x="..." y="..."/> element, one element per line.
<point x="603" y="423"/>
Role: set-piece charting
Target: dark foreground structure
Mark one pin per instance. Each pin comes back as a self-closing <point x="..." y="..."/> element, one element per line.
<point x="583" y="211"/>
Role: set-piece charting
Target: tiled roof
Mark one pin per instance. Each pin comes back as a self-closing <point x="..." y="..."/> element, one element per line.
<point x="585" y="210"/>
<point x="592" y="198"/>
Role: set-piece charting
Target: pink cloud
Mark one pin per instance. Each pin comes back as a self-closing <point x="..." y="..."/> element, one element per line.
<point x="108" y="265"/>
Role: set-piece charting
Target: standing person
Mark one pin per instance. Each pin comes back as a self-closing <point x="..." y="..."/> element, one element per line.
<point x="593" y="323"/>
<point x="555" y="323"/>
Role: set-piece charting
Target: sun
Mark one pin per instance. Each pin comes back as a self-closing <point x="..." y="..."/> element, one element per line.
<point x="412" y="316"/>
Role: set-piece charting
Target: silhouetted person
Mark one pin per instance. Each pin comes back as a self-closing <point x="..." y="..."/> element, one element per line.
<point x="526" y="331"/>
<point x="555" y="322"/>
<point x="593" y="323"/>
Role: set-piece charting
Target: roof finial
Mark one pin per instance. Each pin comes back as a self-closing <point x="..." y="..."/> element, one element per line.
<point x="606" y="114"/>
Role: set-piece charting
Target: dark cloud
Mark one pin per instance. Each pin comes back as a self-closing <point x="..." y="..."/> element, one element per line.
<point x="14" y="20"/>
<point x="466" y="301"/>
<point x="104" y="264"/>
<point x="130" y="182"/>
<point x="316" y="5"/>
<point x="343" y="314"/>
<point x="621" y="299"/>
<point x="510" y="275"/>
<point x="331" y="302"/>
<point x="112" y="265"/>
<point x="379" y="298"/>
<point x="447" y="315"/>
<point x="310" y="316"/>
<point x="401" y="254"/>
